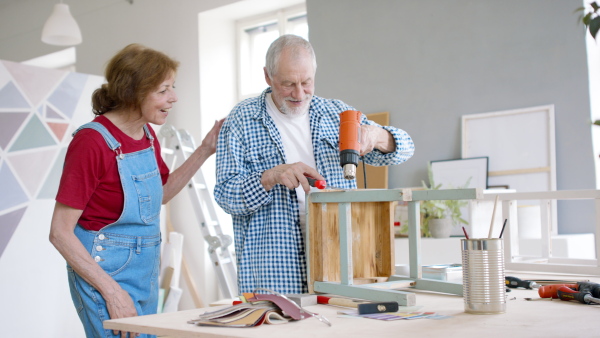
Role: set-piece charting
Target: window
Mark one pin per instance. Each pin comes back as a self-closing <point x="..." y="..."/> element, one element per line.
<point x="63" y="59"/>
<point x="255" y="35"/>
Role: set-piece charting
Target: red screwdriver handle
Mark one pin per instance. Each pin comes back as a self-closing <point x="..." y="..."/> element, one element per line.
<point x="550" y="291"/>
<point x="319" y="184"/>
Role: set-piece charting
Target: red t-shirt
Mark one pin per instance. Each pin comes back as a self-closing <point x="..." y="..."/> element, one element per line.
<point x="90" y="180"/>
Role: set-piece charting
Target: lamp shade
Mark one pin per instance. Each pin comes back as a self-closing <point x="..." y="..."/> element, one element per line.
<point x="61" y="29"/>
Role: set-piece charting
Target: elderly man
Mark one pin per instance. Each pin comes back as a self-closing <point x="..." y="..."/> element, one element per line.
<point x="267" y="147"/>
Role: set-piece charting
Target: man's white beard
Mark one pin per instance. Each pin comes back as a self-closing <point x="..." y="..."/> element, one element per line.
<point x="297" y="111"/>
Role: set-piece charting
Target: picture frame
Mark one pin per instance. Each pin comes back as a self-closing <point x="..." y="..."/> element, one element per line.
<point x="455" y="173"/>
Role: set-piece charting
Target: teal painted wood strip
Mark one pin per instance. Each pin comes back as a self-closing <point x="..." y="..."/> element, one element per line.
<point x="345" y="233"/>
<point x="357" y="291"/>
<point x="439" y="286"/>
<point x="446" y="194"/>
<point x="369" y="195"/>
<point x="414" y="239"/>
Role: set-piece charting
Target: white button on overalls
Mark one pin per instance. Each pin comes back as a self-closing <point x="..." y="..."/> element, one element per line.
<point x="99" y="248"/>
<point x="97" y="259"/>
<point x="101" y="236"/>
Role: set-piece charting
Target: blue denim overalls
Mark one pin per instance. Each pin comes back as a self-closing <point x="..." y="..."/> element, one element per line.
<point x="129" y="249"/>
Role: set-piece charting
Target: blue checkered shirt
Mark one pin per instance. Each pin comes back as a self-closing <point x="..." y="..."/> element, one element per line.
<point x="268" y="241"/>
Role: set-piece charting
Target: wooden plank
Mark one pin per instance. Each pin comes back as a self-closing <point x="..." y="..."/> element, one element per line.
<point x="372" y="241"/>
<point x="519" y="171"/>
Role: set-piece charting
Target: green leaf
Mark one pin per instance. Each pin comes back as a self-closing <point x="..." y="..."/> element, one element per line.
<point x="594" y="6"/>
<point x="595" y="26"/>
<point x="597" y="122"/>
<point x="586" y="19"/>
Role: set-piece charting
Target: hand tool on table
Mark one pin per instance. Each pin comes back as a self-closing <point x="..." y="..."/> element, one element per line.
<point x="349" y="142"/>
<point x="514" y="282"/>
<point x="585" y="297"/>
<point x="364" y="307"/>
<point x="551" y="291"/>
<point x="320" y="184"/>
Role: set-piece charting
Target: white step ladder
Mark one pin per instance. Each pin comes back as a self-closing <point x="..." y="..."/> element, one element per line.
<point x="177" y="146"/>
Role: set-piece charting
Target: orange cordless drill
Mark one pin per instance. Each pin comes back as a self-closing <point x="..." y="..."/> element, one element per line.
<point x="349" y="142"/>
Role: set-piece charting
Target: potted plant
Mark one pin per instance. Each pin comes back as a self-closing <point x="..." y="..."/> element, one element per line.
<point x="439" y="216"/>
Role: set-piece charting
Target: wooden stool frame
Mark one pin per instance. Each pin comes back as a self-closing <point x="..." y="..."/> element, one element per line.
<point x="379" y="291"/>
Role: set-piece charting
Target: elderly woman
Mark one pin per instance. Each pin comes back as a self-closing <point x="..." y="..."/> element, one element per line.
<point x="106" y="218"/>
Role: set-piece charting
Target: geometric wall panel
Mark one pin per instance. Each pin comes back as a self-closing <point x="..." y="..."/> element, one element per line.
<point x="33" y="135"/>
<point x="36" y="83"/>
<point x="9" y="124"/>
<point x="10" y="97"/>
<point x="8" y="224"/>
<point x="67" y="94"/>
<point x="31" y="167"/>
<point x="11" y="193"/>
<point x="58" y="129"/>
<point x="52" y="114"/>
<point x="41" y="107"/>
<point x="50" y="187"/>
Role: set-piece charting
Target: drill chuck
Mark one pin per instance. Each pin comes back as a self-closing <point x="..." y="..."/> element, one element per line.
<point x="349" y="171"/>
<point x="349" y="161"/>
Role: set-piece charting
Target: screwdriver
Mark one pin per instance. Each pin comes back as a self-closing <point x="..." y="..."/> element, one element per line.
<point x="566" y="293"/>
<point x="320" y="184"/>
<point x="551" y="291"/>
<point x="514" y="282"/>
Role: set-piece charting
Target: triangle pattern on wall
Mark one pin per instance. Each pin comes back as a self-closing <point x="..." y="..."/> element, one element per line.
<point x="58" y="129"/>
<point x="50" y="187"/>
<point x="67" y="94"/>
<point x="31" y="167"/>
<point x="53" y="114"/>
<point x="9" y="124"/>
<point x="33" y="135"/>
<point x="8" y="224"/>
<point x="35" y="83"/>
<point x="12" y="192"/>
<point x="10" y="97"/>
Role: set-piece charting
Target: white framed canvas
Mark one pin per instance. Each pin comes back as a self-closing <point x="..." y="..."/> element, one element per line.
<point x="465" y="172"/>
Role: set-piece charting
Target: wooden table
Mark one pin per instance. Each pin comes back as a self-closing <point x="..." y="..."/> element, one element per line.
<point x="535" y="318"/>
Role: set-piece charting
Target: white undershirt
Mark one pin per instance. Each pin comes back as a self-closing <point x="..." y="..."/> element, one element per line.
<point x="297" y="145"/>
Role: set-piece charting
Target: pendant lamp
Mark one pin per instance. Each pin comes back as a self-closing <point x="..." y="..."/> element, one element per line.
<point x="61" y="29"/>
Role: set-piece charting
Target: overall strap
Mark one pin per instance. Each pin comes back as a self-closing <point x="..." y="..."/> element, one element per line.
<point x="110" y="140"/>
<point x="149" y="135"/>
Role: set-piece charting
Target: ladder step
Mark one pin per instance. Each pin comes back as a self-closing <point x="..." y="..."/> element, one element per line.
<point x="200" y="186"/>
<point x="180" y="147"/>
<point x="225" y="261"/>
<point x="187" y="149"/>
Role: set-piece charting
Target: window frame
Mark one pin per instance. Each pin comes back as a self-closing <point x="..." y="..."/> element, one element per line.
<point x="243" y="50"/>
